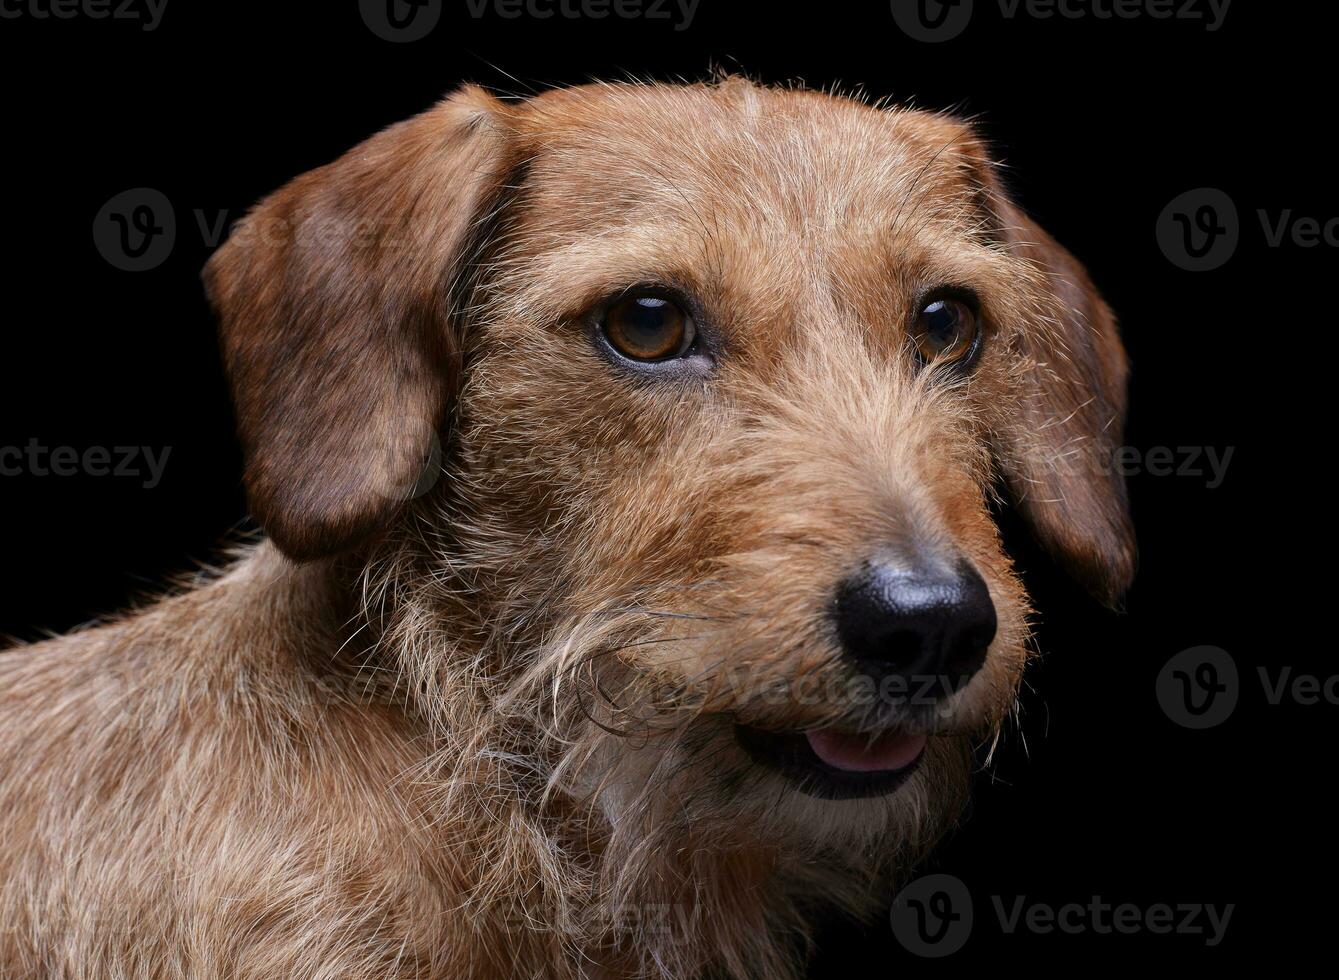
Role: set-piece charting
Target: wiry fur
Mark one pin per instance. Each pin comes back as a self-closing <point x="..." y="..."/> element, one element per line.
<point x="487" y="731"/>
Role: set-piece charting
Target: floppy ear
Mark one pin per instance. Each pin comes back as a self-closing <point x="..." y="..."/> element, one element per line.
<point x="333" y="300"/>
<point x="1057" y="451"/>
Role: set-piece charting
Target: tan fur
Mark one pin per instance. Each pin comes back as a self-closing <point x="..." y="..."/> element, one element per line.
<point x="485" y="729"/>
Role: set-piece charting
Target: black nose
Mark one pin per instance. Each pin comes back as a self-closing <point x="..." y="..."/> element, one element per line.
<point x="927" y="627"/>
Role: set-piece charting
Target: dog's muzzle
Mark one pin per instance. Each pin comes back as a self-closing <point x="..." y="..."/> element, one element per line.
<point x="919" y="632"/>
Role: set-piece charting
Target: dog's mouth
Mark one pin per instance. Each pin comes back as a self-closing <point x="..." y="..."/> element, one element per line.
<point x="834" y="765"/>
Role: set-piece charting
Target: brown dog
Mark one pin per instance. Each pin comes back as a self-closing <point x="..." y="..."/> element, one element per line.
<point x="701" y="621"/>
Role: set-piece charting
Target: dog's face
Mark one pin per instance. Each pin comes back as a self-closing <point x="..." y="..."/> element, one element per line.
<point x="726" y="379"/>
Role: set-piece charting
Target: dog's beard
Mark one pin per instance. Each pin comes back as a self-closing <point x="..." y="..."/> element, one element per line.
<point x="611" y="781"/>
<point x="651" y="756"/>
<point x="700" y="852"/>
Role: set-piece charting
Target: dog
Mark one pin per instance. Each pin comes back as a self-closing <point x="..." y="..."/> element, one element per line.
<point x="629" y="460"/>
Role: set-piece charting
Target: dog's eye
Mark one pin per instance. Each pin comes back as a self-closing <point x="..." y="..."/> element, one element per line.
<point x="947" y="331"/>
<point x="649" y="328"/>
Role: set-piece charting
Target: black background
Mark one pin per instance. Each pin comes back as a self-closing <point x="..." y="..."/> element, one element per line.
<point x="1102" y="121"/>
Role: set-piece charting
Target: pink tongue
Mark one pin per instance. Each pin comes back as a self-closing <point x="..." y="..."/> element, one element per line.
<point x="855" y="753"/>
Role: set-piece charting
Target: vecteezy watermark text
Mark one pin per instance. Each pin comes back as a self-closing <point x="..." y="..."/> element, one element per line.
<point x="1209" y="463"/>
<point x="149" y="13"/>
<point x="934" y="916"/>
<point x="1017" y="914"/>
<point x="680" y="12"/>
<point x="124" y="462"/>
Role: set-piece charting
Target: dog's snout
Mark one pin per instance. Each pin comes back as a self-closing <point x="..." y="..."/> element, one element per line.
<point x="927" y="626"/>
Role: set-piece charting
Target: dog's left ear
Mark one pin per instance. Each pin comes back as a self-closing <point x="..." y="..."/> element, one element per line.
<point x="335" y="313"/>
<point x="1057" y="449"/>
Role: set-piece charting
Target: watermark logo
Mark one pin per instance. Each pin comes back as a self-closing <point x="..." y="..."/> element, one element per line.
<point x="414" y="450"/>
<point x="932" y="916"/>
<point x="935" y="21"/>
<point x="1198" y="688"/>
<point x="412" y="20"/>
<point x="932" y="21"/>
<point x="1199" y="230"/>
<point x="136" y="229"/>
<point x="401" y="21"/>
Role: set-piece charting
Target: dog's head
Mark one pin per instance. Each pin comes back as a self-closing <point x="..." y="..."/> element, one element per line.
<point x="724" y="379"/>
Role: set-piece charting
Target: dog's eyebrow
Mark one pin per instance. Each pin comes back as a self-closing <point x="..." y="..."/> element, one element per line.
<point x="569" y="278"/>
<point x="565" y="281"/>
<point x="918" y="183"/>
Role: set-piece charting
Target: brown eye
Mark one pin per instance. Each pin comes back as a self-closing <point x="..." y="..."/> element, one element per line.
<point x="648" y="328"/>
<point x="947" y="331"/>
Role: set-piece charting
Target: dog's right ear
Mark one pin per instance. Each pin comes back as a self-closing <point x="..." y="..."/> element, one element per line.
<point x="333" y="299"/>
<point x="1057" y="444"/>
